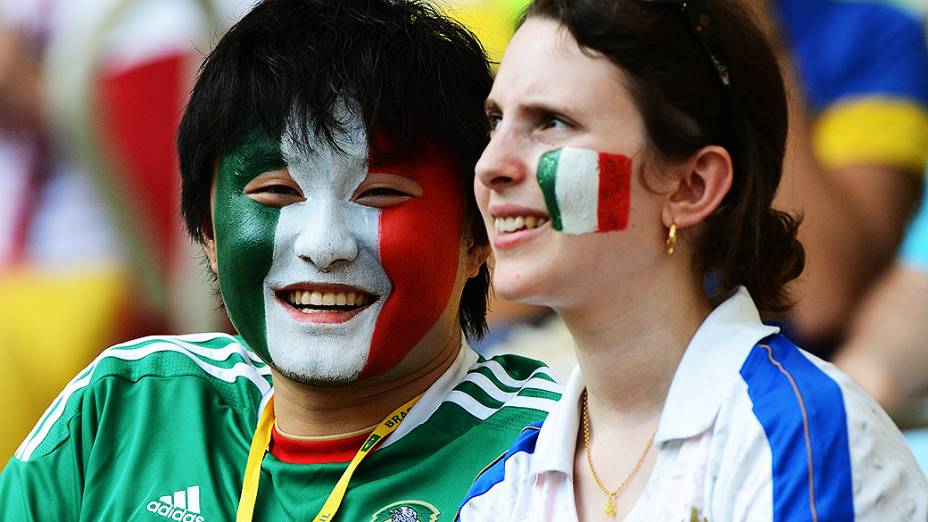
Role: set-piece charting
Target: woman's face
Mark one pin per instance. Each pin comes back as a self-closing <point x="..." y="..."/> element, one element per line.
<point x="549" y="94"/>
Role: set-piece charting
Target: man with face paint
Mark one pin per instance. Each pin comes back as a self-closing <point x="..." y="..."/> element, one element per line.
<point x="327" y="155"/>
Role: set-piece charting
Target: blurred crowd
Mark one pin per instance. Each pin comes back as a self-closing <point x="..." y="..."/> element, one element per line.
<point x="92" y="251"/>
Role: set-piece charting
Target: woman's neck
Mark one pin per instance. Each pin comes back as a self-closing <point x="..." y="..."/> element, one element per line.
<point x="629" y="344"/>
<point x="307" y="411"/>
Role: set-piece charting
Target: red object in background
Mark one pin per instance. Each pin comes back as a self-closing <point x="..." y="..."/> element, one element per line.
<point x="140" y="109"/>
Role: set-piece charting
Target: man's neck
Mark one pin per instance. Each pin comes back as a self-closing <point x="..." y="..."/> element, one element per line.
<point x="307" y="411"/>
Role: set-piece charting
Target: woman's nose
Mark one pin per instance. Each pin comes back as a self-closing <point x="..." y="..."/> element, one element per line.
<point x="501" y="164"/>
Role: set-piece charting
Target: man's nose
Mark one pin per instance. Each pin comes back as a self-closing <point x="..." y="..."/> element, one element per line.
<point x="325" y="238"/>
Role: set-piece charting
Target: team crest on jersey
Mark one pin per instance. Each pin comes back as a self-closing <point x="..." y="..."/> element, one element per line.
<point x="407" y="511"/>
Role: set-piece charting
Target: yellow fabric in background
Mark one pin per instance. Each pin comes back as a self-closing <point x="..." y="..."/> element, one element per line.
<point x="873" y="130"/>
<point x="493" y="21"/>
<point x="45" y="342"/>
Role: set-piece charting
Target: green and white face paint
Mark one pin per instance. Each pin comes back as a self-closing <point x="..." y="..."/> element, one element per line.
<point x="585" y="191"/>
<point x="324" y="248"/>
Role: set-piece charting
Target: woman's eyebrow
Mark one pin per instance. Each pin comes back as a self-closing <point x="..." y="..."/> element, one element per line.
<point x="543" y="107"/>
<point x="531" y="107"/>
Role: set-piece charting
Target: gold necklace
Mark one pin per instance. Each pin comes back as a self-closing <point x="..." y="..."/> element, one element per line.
<point x="610" y="508"/>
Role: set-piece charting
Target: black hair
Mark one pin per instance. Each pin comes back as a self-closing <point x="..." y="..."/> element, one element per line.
<point x="413" y="73"/>
<point x="685" y="106"/>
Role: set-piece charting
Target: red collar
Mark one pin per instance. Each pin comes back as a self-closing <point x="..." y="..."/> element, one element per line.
<point x="294" y="451"/>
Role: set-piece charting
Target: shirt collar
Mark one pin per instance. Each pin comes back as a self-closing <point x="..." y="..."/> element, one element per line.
<point x="557" y="440"/>
<point x="710" y="367"/>
<point x="437" y="392"/>
<point x="707" y="372"/>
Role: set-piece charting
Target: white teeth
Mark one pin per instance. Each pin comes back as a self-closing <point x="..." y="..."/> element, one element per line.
<point x="515" y="223"/>
<point x="306" y="297"/>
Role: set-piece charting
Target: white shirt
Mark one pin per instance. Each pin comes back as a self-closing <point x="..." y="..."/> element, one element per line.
<point x="733" y="442"/>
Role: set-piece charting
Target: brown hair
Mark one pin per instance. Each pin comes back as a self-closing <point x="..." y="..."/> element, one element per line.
<point x="685" y="106"/>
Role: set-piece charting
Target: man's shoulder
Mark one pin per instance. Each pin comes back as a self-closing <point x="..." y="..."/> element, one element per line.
<point x="142" y="371"/>
<point x="511" y="377"/>
<point x="509" y="386"/>
<point x="517" y="367"/>
<point x="213" y="356"/>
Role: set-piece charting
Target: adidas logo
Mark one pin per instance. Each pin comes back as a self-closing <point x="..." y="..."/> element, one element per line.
<point x="183" y="505"/>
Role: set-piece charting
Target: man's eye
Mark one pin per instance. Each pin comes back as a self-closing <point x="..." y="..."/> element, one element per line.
<point x="381" y="197"/>
<point x="385" y="189"/>
<point x="282" y="190"/>
<point x="274" y="190"/>
<point x="382" y="191"/>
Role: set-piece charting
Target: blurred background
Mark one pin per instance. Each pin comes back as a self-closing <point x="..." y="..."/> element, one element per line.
<point x="92" y="251"/>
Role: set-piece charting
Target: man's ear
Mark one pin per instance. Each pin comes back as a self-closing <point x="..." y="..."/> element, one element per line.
<point x="702" y="185"/>
<point x="475" y="256"/>
<point x="209" y="246"/>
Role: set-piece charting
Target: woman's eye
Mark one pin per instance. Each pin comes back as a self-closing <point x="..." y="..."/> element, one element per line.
<point x="556" y="122"/>
<point x="494" y="121"/>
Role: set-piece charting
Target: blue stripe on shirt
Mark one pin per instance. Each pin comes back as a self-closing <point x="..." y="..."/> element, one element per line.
<point x="495" y="474"/>
<point x="780" y="411"/>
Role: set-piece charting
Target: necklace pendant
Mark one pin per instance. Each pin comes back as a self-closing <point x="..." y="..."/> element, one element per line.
<point x="610" y="508"/>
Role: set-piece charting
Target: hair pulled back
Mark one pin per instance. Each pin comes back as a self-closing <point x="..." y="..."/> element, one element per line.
<point x="685" y="106"/>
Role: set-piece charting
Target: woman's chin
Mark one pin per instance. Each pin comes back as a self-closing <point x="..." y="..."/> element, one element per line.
<point x="522" y="288"/>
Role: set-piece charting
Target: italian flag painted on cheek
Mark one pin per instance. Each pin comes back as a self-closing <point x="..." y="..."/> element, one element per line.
<point x="244" y="232"/>
<point x="585" y="191"/>
<point x="420" y="248"/>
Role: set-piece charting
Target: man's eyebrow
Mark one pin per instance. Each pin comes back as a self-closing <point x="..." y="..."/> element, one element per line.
<point x="256" y="153"/>
<point x="382" y="157"/>
<point x="490" y="106"/>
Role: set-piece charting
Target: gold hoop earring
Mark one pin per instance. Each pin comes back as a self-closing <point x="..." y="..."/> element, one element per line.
<point x="671" y="239"/>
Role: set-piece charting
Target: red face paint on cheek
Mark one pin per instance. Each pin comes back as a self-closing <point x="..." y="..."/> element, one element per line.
<point x="614" y="192"/>
<point x="420" y="249"/>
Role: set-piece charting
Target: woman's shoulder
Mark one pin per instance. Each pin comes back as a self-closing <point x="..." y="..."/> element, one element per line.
<point x="804" y="432"/>
<point x="496" y="488"/>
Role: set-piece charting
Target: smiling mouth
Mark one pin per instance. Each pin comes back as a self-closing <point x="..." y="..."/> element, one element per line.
<point x="510" y="224"/>
<point x="321" y="301"/>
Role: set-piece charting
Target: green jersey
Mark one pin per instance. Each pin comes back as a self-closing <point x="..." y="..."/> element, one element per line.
<point x="159" y="429"/>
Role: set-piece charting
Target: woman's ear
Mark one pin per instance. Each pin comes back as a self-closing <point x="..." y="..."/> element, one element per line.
<point x="702" y="185"/>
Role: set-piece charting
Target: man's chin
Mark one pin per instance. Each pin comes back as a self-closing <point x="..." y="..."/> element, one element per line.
<point x="316" y="379"/>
